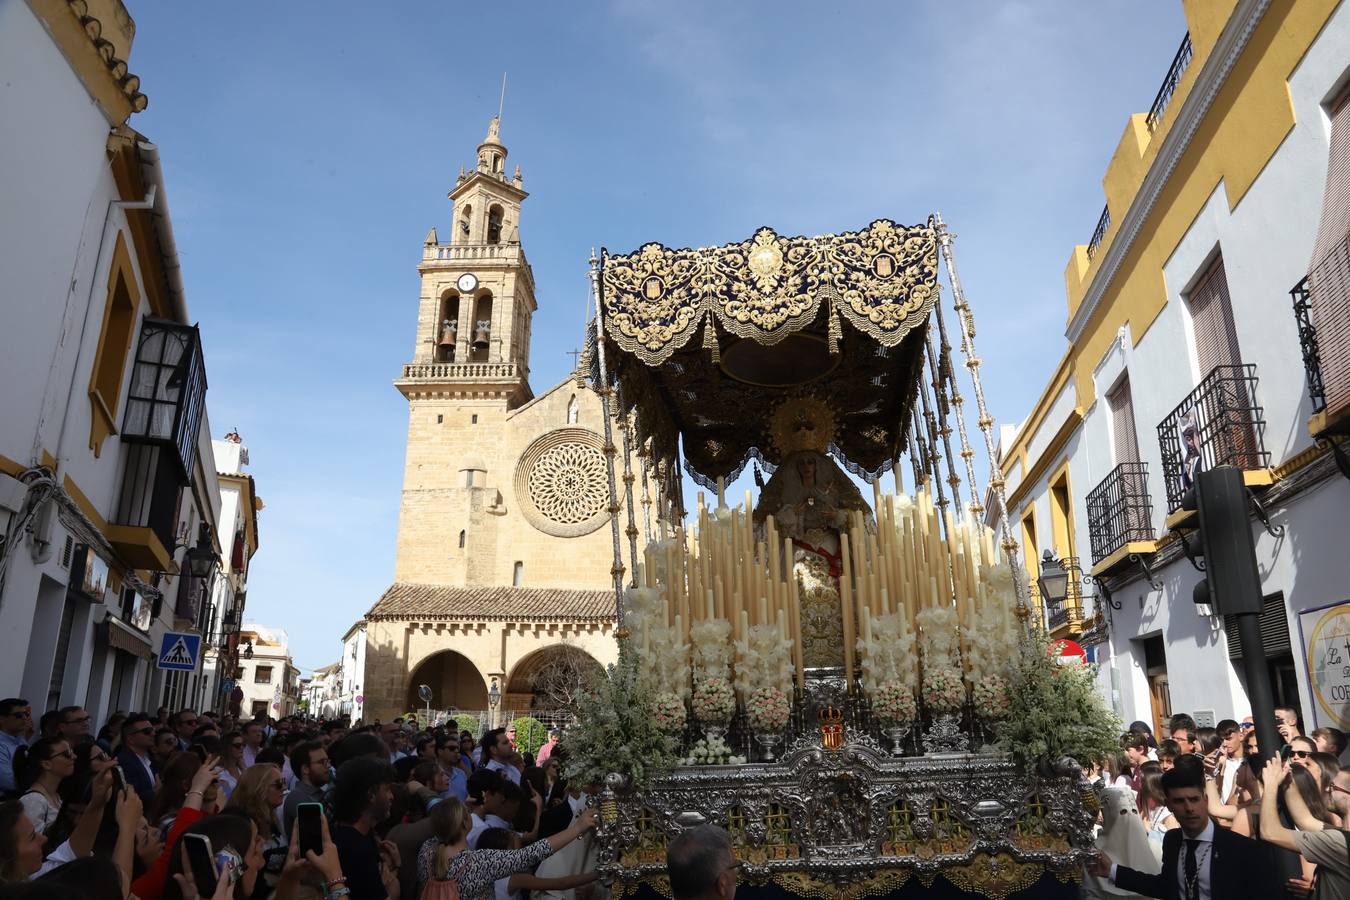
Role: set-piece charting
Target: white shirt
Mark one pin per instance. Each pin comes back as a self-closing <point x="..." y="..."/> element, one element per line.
<point x="510" y="772"/>
<point x="478" y="827"/>
<point x="1204" y="855"/>
<point x="1230" y="768"/>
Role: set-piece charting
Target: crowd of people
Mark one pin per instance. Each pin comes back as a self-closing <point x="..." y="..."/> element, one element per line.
<point x="407" y="812"/>
<point x="1208" y="814"/>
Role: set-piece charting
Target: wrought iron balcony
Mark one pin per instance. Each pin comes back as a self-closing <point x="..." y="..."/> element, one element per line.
<point x="1119" y="510"/>
<point x="1099" y="233"/>
<point x="1217" y="424"/>
<point x="1180" y="63"/>
<point x="1307" y="341"/>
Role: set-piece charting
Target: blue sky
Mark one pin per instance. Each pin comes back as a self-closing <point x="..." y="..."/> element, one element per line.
<point x="309" y="147"/>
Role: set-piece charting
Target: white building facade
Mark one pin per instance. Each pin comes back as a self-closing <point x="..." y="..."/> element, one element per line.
<point x="351" y="700"/>
<point x="265" y="674"/>
<point x="107" y="482"/>
<point x="1184" y="342"/>
<point x="239" y="507"/>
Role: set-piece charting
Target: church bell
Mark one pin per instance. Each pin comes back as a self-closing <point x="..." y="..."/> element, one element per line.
<point x="480" y="336"/>
<point x="449" y="331"/>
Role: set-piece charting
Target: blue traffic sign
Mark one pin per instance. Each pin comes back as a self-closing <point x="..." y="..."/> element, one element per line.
<point x="179" y="651"/>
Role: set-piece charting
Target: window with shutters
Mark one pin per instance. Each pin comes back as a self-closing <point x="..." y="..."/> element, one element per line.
<point x="262" y="675"/>
<point x="1328" y="281"/>
<point x="1124" y="438"/>
<point x="1212" y="321"/>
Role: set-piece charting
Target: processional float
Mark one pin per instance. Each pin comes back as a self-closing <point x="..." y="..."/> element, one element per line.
<point x="827" y="677"/>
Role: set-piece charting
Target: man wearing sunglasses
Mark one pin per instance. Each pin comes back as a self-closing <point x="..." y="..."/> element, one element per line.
<point x="73" y="725"/>
<point x="138" y="737"/>
<point x="16" y="717"/>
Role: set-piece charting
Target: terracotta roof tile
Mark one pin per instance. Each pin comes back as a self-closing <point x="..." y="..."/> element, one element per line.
<point x="415" y="601"/>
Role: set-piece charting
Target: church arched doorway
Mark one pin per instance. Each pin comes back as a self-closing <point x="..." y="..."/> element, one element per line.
<point x="547" y="680"/>
<point x="455" y="682"/>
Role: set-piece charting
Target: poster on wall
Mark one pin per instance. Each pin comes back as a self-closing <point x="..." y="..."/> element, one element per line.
<point x="1325" y="635"/>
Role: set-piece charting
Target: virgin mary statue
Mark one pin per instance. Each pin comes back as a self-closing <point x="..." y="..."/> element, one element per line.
<point x="812" y="501"/>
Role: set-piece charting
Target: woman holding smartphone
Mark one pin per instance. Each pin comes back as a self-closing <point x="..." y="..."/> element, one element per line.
<point x="311" y="868"/>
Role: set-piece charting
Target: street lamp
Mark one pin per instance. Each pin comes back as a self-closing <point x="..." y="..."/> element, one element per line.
<point x="248" y="649"/>
<point x="202" y="559"/>
<point x="1053" y="581"/>
<point x="494" y="697"/>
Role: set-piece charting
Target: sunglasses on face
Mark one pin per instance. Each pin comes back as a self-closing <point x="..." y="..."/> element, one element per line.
<point x="65" y="753"/>
<point x="21" y="714"/>
<point x="1248" y="726"/>
<point x="1301" y="754"/>
<point x="143" y="731"/>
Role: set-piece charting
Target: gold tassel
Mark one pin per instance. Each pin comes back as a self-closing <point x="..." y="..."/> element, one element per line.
<point x="710" y="340"/>
<point x="836" y="330"/>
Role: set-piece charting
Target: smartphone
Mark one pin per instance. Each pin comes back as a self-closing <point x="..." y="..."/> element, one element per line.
<point x="229" y="864"/>
<point x="310" y="817"/>
<point x="203" y="863"/>
<point x="119" y="779"/>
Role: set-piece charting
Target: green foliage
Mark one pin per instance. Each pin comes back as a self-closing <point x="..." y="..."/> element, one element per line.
<point x="615" y="730"/>
<point x="465" y="722"/>
<point x="531" y="734"/>
<point x="1055" y="711"/>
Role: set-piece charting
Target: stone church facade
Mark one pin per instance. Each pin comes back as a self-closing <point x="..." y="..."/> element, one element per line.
<point x="504" y="543"/>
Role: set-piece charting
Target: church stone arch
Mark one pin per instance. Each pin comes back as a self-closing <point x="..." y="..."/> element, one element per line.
<point x="456" y="683"/>
<point x="525" y="683"/>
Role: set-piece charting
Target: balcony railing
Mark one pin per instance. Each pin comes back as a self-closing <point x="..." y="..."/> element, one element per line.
<point x="460" y="370"/>
<point x="1119" y="510"/>
<point x="1218" y="424"/>
<point x="1307" y="341"/>
<point x="1180" y="63"/>
<point x="459" y="252"/>
<point x="1099" y="233"/>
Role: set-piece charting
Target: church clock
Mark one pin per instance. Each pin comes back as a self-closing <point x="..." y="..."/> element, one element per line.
<point x="467" y="282"/>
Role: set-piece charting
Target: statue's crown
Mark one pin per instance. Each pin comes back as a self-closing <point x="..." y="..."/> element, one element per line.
<point x="829" y="715"/>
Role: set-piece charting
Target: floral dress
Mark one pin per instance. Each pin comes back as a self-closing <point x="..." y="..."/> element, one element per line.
<point x="476" y="871"/>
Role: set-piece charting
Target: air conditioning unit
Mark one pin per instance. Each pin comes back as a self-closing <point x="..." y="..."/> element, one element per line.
<point x="1204" y="718"/>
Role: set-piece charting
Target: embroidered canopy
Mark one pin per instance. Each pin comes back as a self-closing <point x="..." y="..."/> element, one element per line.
<point x="838" y="318"/>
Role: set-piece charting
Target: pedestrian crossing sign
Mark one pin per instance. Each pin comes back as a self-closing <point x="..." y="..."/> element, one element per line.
<point x="179" y="650"/>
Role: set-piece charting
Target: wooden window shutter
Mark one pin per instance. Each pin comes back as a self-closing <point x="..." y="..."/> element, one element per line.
<point x="1212" y="318"/>
<point x="1124" y="436"/>
<point x="1329" y="273"/>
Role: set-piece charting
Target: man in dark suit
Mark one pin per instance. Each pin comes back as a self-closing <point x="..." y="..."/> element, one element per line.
<point x="1200" y="860"/>
<point x="138" y="736"/>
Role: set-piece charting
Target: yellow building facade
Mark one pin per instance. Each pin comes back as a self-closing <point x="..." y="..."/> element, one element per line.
<point x="1184" y="353"/>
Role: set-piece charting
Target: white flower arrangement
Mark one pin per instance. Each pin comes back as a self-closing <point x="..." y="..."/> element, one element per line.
<point x="894" y="704"/>
<point x="668" y="713"/>
<point x="763" y="660"/>
<point x="712" y="751"/>
<point x="711" y="642"/>
<point x="889" y="657"/>
<point x="713" y="701"/>
<point x="767" y="710"/>
<point x="991" y="644"/>
<point x="943" y="689"/>
<point x="990" y="696"/>
<point x="938" y="636"/>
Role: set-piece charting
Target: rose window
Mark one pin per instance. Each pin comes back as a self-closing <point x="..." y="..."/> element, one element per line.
<point x="562" y="482"/>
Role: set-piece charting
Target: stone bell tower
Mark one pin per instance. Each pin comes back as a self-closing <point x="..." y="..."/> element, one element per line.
<point x="469" y="370"/>
<point x="477" y="288"/>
